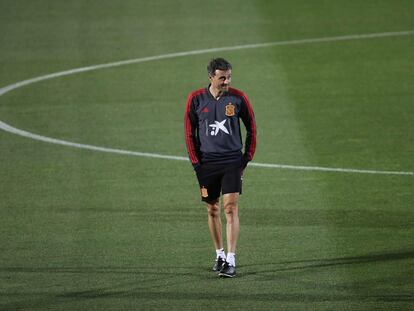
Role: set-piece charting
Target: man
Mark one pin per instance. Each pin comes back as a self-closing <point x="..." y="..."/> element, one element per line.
<point x="214" y="145"/>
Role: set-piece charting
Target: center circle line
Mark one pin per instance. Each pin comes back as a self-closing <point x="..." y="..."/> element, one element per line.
<point x="8" y="128"/>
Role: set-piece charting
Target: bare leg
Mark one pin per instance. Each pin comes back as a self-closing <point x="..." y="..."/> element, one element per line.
<point x="214" y="223"/>
<point x="230" y="202"/>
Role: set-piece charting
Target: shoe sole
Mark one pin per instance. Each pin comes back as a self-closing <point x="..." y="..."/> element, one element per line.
<point x="223" y="275"/>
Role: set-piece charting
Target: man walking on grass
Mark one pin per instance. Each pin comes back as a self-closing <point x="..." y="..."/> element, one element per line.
<point x="215" y="148"/>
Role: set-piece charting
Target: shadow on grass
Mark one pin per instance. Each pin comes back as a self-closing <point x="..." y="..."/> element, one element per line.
<point x="321" y="263"/>
<point x="161" y="283"/>
<point x="186" y="271"/>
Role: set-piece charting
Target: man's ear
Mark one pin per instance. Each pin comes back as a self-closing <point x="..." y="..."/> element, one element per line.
<point x="211" y="75"/>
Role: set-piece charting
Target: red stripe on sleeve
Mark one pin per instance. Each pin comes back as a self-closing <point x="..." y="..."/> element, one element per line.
<point x="189" y="129"/>
<point x="251" y="149"/>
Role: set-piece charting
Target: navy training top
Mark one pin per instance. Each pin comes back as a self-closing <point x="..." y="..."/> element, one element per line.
<point x="212" y="127"/>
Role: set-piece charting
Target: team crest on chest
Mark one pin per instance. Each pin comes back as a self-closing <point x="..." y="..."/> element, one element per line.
<point x="230" y="110"/>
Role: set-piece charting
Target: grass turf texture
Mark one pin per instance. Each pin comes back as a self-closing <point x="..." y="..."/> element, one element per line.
<point x="84" y="230"/>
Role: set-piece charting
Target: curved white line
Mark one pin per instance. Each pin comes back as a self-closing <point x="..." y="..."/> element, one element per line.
<point x="11" y="87"/>
<point x="19" y="132"/>
<point x="16" y="131"/>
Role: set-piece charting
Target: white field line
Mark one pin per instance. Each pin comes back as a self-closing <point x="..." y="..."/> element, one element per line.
<point x="55" y="141"/>
<point x="13" y="130"/>
<point x="19" y="132"/>
<point x="10" y="87"/>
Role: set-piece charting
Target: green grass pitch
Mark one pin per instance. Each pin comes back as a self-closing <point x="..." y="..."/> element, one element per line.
<point x="87" y="230"/>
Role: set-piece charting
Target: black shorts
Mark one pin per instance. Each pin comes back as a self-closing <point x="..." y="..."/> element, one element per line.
<point x="219" y="178"/>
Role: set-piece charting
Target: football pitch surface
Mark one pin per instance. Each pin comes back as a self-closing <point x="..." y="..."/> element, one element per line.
<point x="117" y="228"/>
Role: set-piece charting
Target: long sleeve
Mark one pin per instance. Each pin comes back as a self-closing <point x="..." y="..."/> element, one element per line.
<point x="247" y="116"/>
<point x="191" y="130"/>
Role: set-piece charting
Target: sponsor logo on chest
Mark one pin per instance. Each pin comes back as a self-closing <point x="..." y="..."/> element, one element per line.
<point x="219" y="126"/>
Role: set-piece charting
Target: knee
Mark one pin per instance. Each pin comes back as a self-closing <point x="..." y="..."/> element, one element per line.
<point x="230" y="207"/>
<point x="213" y="209"/>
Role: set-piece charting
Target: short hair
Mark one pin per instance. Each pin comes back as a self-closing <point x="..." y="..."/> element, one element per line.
<point x="217" y="64"/>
